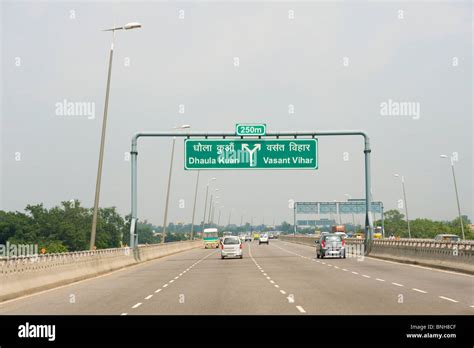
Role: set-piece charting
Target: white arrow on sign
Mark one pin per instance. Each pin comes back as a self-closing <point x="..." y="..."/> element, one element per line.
<point x="253" y="160"/>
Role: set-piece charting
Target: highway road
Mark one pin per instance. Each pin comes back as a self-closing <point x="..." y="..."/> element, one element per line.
<point x="279" y="278"/>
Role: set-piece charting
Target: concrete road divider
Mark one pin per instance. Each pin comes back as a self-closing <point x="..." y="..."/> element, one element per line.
<point x="24" y="275"/>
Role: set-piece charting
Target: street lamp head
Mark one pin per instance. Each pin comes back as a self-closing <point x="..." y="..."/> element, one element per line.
<point x="443" y="156"/>
<point x="128" y="26"/>
<point x="184" y="126"/>
<point x="132" y="25"/>
<point x="397" y="175"/>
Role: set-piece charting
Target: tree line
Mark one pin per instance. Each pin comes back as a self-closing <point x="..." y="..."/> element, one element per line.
<point x="67" y="227"/>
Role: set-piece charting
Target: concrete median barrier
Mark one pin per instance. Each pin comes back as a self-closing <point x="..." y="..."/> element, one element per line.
<point x="454" y="256"/>
<point x="25" y="275"/>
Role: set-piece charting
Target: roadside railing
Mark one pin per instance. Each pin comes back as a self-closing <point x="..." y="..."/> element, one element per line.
<point x="21" y="275"/>
<point x="457" y="256"/>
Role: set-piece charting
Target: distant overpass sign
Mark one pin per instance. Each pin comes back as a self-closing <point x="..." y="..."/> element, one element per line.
<point x="354" y="206"/>
<point x="250" y="154"/>
<point x="250" y="129"/>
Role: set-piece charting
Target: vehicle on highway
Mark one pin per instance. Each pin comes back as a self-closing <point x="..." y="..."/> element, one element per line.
<point x="263" y="239"/>
<point x="330" y="245"/>
<point x="210" y="238"/>
<point x="338" y="228"/>
<point x="248" y="238"/>
<point x="231" y="246"/>
<point x="448" y="238"/>
<point x="256" y="236"/>
<point x="342" y="234"/>
<point x="227" y="233"/>
<point x="323" y="234"/>
<point x="271" y="236"/>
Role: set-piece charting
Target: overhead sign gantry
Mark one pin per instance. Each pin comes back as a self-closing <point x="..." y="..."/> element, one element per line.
<point x="273" y="150"/>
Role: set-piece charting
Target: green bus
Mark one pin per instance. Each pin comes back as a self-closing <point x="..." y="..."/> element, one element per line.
<point x="210" y="237"/>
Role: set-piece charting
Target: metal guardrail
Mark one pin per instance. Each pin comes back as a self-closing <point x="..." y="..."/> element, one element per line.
<point x="418" y="242"/>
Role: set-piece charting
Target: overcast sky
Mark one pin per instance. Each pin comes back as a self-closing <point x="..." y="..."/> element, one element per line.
<point x="302" y="66"/>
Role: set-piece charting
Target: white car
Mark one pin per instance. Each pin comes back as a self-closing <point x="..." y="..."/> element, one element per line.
<point x="231" y="246"/>
<point x="263" y="239"/>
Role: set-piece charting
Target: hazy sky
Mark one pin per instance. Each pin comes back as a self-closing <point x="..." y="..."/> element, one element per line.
<point x="333" y="64"/>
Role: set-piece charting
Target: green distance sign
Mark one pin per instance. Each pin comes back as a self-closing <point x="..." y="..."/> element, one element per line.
<point x="250" y="129"/>
<point x="358" y="207"/>
<point x="250" y="154"/>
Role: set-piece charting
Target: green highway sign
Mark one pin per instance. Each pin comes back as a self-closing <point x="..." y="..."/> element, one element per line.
<point x="250" y="129"/>
<point x="250" y="154"/>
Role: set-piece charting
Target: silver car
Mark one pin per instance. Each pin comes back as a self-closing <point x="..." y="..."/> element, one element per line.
<point x="330" y="245"/>
<point x="231" y="247"/>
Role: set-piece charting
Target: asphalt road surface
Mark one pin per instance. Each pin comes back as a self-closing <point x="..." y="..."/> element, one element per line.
<point x="279" y="278"/>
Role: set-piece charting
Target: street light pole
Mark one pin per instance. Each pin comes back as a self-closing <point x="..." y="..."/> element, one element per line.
<point x="353" y="219"/>
<point x="406" y="206"/>
<point x="210" y="210"/>
<point x="169" y="184"/>
<point x="102" y="137"/>
<point x="205" y="203"/>
<point x="457" y="195"/>
<point x="194" y="206"/>
<point x="219" y="218"/>
<point x="214" y="210"/>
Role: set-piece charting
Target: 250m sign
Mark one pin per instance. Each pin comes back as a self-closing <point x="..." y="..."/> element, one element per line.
<point x="251" y="154"/>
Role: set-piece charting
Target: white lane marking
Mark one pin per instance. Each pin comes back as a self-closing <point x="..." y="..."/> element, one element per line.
<point x="165" y="285"/>
<point x="422" y="291"/>
<point x="262" y="270"/>
<point x="269" y="278"/>
<point x="148" y="297"/>
<point x="301" y="309"/>
<point x="172" y="280"/>
<point x="354" y="272"/>
<point x="380" y="280"/>
<point x="365" y="275"/>
<point x="345" y="270"/>
<point x="180" y="274"/>
<point x="318" y="261"/>
<point x="472" y="306"/>
<point x="329" y="265"/>
<point x="448" y="299"/>
<point x="124" y="314"/>
<point x="394" y="262"/>
<point x="277" y="286"/>
<point x="418" y="266"/>
<point x="397" y="284"/>
<point x="336" y="267"/>
<point x="284" y="293"/>
<point x="323" y="263"/>
<point x="290" y="299"/>
<point x="137" y="305"/>
<point x="157" y="290"/>
<point x="264" y="274"/>
<point x="176" y="277"/>
<point x="271" y="281"/>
